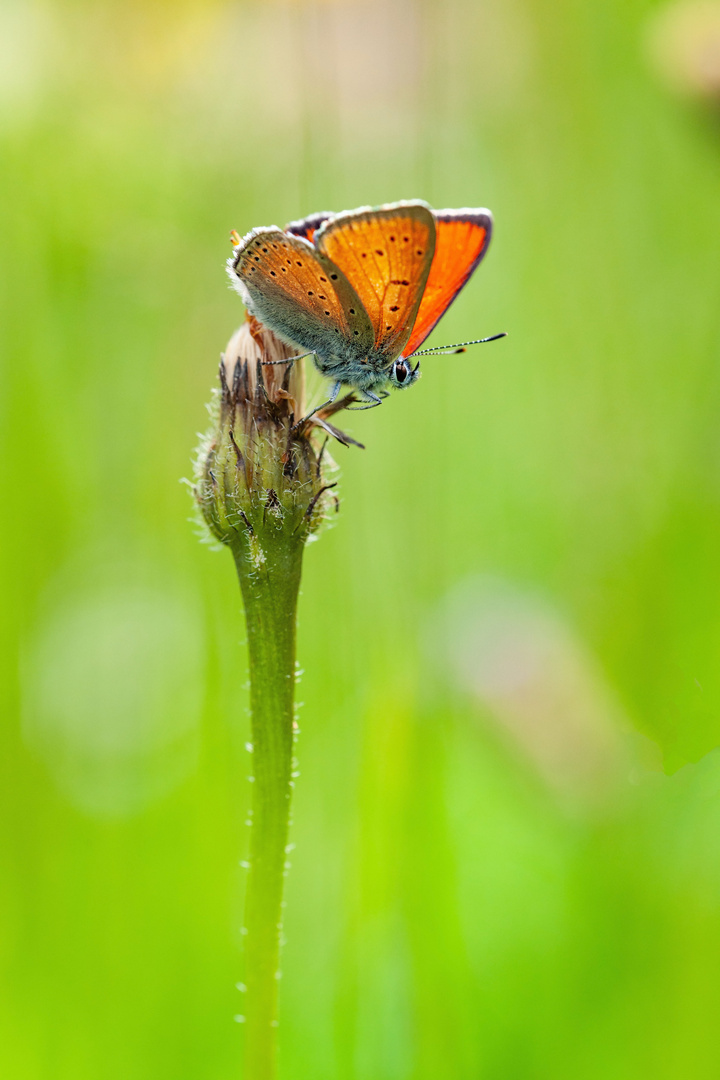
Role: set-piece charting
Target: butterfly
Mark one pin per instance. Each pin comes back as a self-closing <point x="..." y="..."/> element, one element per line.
<point x="360" y="291"/>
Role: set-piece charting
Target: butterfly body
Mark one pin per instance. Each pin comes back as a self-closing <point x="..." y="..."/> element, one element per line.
<point x="360" y="290"/>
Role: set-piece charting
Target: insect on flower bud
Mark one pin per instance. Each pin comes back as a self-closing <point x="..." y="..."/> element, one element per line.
<point x="260" y="471"/>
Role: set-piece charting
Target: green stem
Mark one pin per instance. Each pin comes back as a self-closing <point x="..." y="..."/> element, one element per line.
<point x="270" y="581"/>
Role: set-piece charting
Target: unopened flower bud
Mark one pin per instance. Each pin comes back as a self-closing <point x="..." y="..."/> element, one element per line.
<point x="260" y="472"/>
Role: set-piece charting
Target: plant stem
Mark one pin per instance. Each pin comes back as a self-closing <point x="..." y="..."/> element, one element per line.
<point x="270" y="581"/>
<point x="260" y="487"/>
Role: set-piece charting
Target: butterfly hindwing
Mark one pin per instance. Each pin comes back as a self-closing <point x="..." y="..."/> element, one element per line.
<point x="299" y="293"/>
<point x="386" y="254"/>
<point x="462" y="238"/>
<point x="307" y="227"/>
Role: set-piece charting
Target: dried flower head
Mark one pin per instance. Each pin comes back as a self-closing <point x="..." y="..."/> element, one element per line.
<point x="261" y="467"/>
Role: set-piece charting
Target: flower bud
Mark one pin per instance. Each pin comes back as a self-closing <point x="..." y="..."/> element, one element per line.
<point x="259" y="472"/>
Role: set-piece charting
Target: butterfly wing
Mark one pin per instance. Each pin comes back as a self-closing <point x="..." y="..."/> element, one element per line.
<point x="307" y="227"/>
<point x="299" y="293"/>
<point x="461" y="241"/>
<point x="386" y="254"/>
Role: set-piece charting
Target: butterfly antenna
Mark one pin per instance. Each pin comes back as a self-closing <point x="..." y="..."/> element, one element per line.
<point x="447" y="350"/>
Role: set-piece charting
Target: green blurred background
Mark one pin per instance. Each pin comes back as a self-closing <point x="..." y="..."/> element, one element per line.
<point x="507" y="823"/>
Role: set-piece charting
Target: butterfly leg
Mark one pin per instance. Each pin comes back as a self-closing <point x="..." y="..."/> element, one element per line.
<point x="373" y="400"/>
<point x="289" y="360"/>
<point x="330" y="401"/>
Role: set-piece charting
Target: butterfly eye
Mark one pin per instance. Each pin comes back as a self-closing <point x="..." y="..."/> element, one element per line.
<point x="402" y="374"/>
<point x="401" y="371"/>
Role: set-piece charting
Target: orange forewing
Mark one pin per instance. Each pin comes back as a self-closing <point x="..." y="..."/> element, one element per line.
<point x="290" y="283"/>
<point x="461" y="241"/>
<point x="386" y="254"/>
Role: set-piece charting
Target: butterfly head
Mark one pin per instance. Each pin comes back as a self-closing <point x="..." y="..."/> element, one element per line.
<point x="402" y="373"/>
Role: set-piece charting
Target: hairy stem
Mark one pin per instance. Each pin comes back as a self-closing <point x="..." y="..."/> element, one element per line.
<point x="270" y="580"/>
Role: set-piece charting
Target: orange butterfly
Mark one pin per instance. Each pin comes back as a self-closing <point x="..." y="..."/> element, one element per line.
<point x="360" y="291"/>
